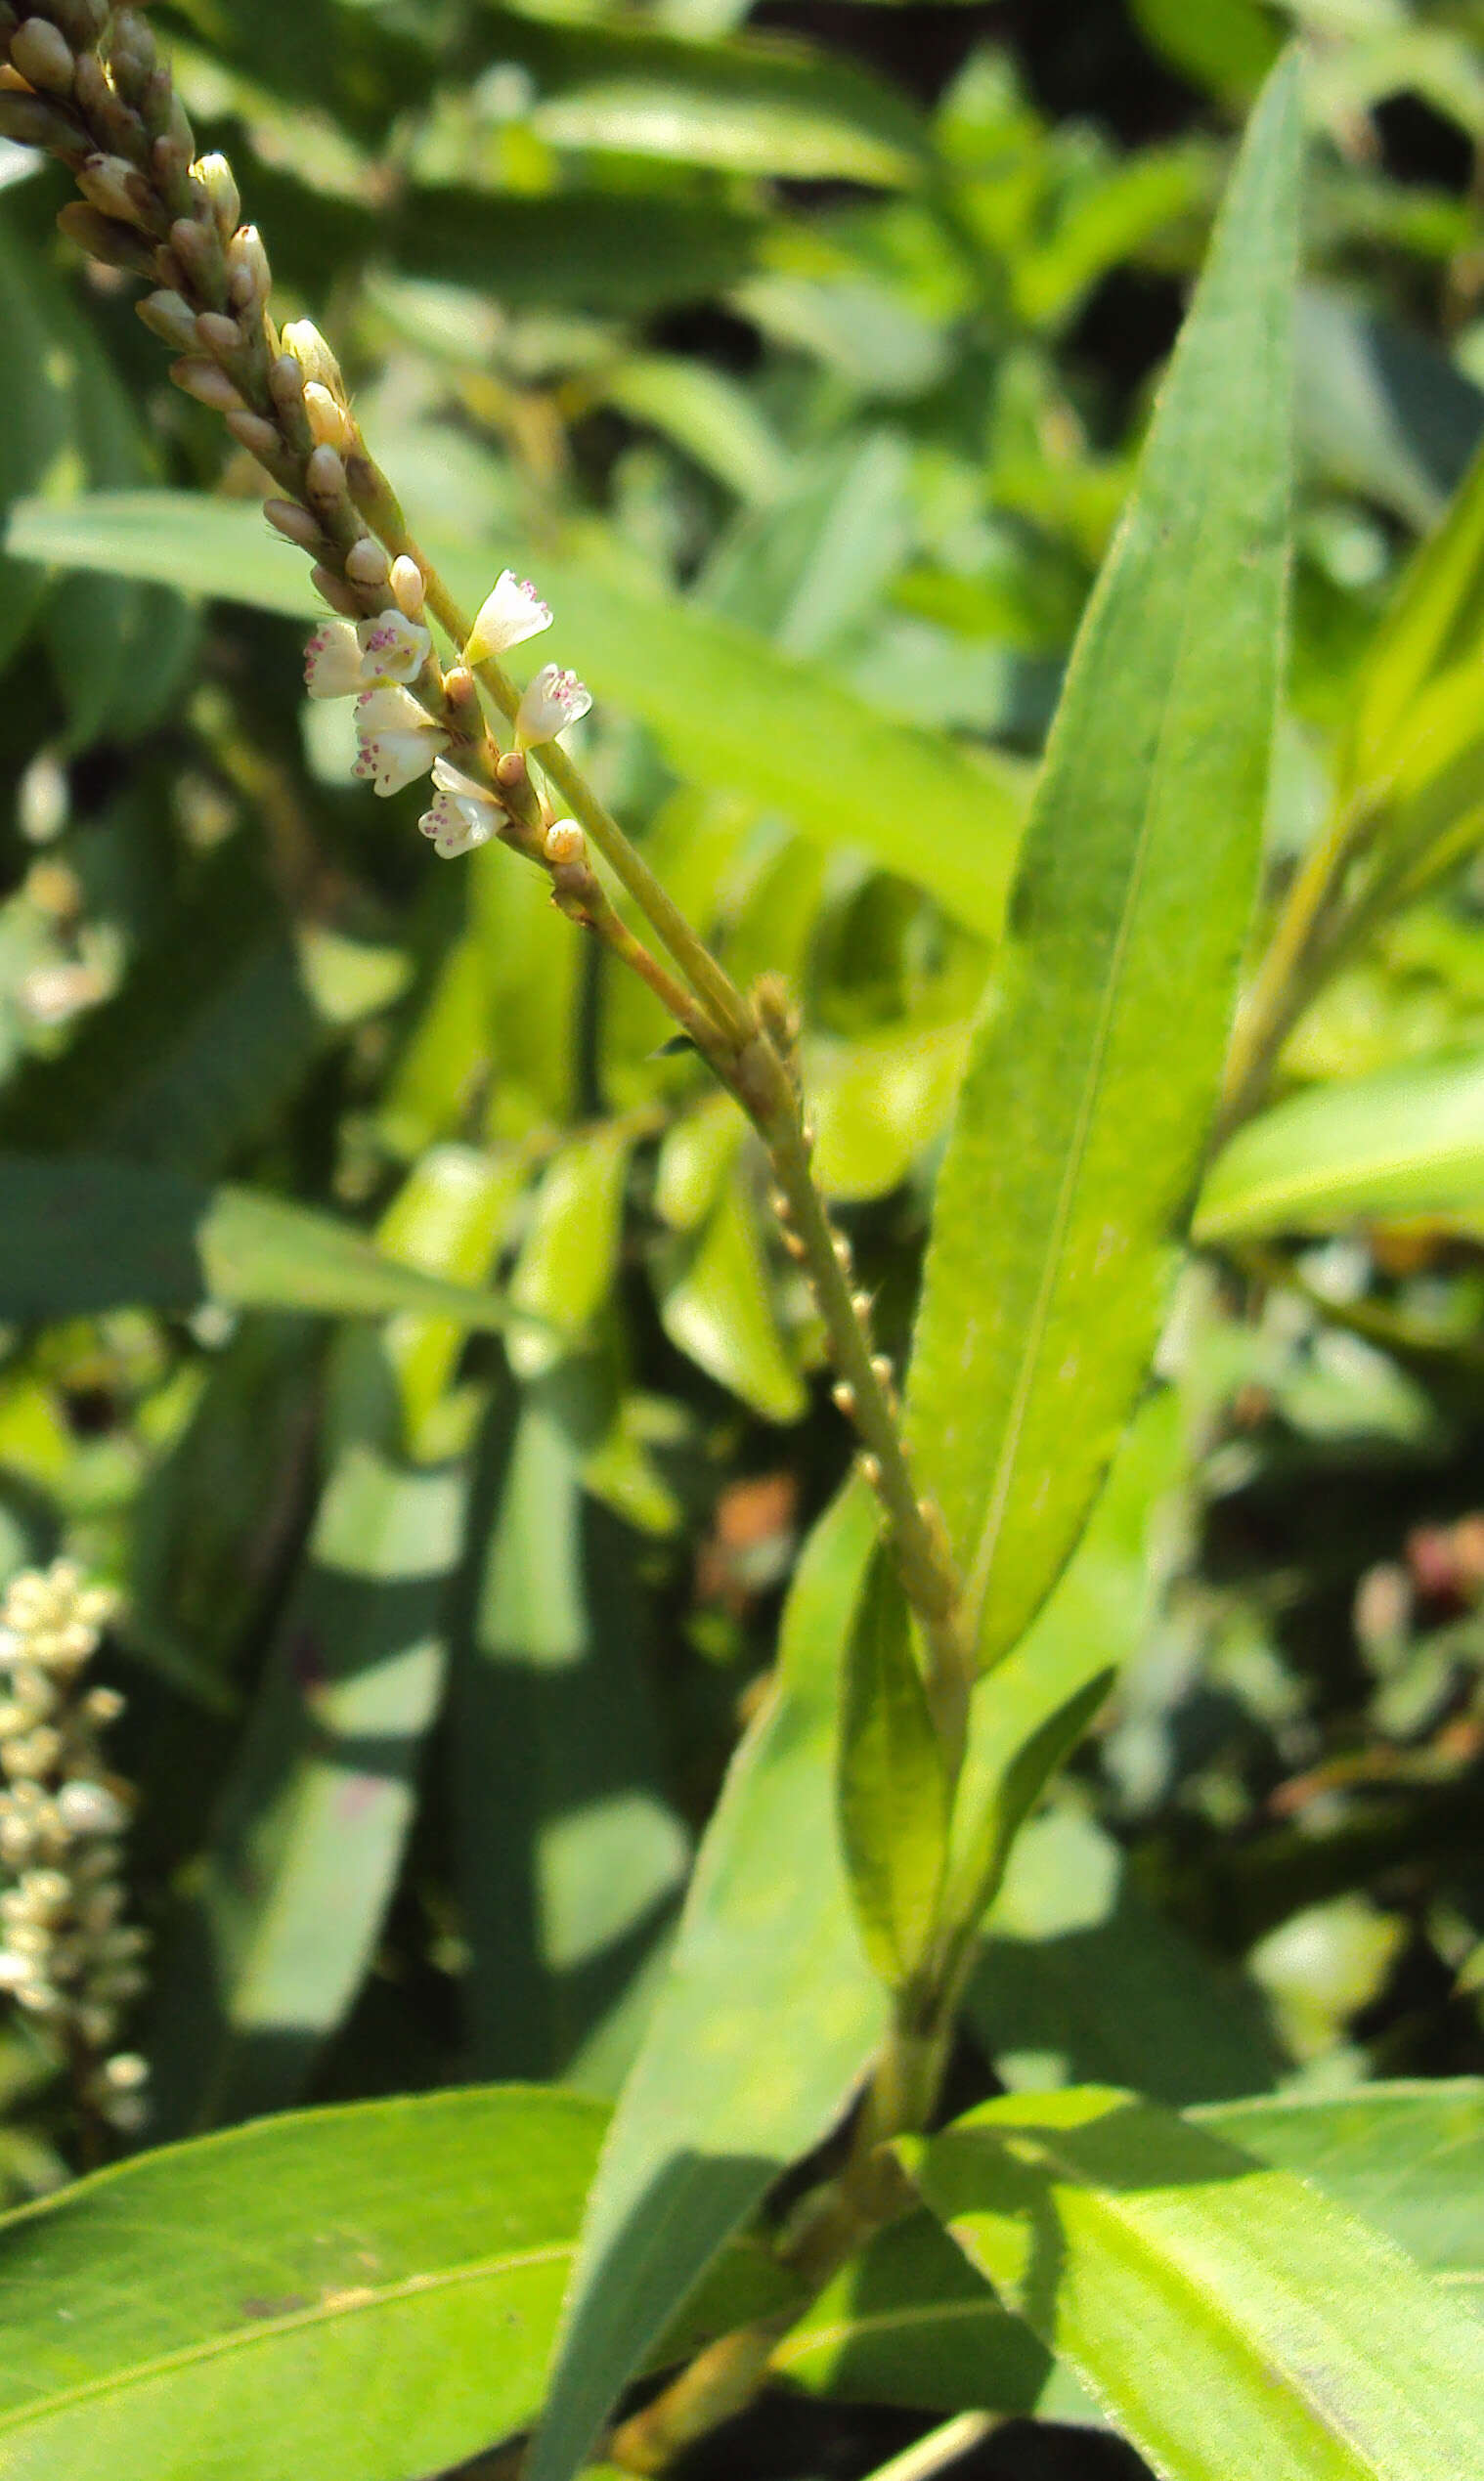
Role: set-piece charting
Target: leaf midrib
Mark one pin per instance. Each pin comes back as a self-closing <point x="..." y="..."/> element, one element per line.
<point x="273" y="2330"/>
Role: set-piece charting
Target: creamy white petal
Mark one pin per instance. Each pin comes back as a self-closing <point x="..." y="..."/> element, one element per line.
<point x="510" y="612"/>
<point x="332" y="660"/>
<point x="392" y="646"/>
<point x="553" y="700"/>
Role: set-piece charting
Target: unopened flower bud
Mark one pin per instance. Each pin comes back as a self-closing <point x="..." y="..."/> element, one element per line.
<point x="125" y="2072"/>
<point x="132" y="55"/>
<point x="325" y="477"/>
<point x="564" y="844"/>
<point x="200" y="252"/>
<point x="336" y="592"/>
<point x="326" y="415"/>
<point x="285" y="381"/>
<point x="294" y="523"/>
<point x="409" y="586"/>
<point x="256" y="434"/>
<point x="217" y="333"/>
<point x="43" y="54"/>
<point x="105" y="238"/>
<point x="214" y="177"/>
<point x="248" y="275"/>
<point x="170" y="317"/>
<point x="206" y="383"/>
<point x="302" y="339"/>
<point x="30" y="121"/>
<point x="112" y="184"/>
<point x="90" y="1808"/>
<point x="81" y="21"/>
<point x="365" y="563"/>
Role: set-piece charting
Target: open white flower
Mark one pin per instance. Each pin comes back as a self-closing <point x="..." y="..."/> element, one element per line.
<point x="552" y="700"/>
<point x="465" y="814"/>
<point x="510" y="612"/>
<point x="392" y="646"/>
<point x="399" y="742"/>
<point x="332" y="660"/>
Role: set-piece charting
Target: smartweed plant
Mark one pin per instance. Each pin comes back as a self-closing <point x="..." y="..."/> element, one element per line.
<point x="776" y="2174"/>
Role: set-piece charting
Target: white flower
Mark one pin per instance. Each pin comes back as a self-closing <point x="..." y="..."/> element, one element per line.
<point x="399" y="742"/>
<point x="553" y="700"/>
<point x="393" y="647"/>
<point x="464" y="816"/>
<point x="510" y="612"/>
<point x="332" y="660"/>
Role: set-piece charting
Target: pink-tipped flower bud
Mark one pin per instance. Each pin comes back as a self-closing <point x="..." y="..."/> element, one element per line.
<point x="43" y="54"/>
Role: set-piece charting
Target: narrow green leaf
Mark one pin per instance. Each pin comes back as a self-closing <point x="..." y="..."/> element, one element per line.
<point x="1433" y="624"/>
<point x="894" y="1789"/>
<point x="729" y="710"/>
<point x="1406" y="2158"/>
<point x="707" y="414"/>
<point x="567" y="1848"/>
<point x="1081" y="1122"/>
<point x="909" y="2322"/>
<point x="767" y="2015"/>
<point x="1229" y="2318"/>
<point x="1408" y="1141"/>
<point x="569" y="1257"/>
<point x="1226" y="45"/>
<point x="762" y="108"/>
<point x="316" y="2293"/>
<point x="354" y="2293"/>
<point x="716" y="1306"/>
<point x="81" y="1233"/>
<point x="285" y="1907"/>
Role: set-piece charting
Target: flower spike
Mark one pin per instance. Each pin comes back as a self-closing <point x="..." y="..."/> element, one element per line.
<point x="510" y="612"/>
<point x="553" y="700"/>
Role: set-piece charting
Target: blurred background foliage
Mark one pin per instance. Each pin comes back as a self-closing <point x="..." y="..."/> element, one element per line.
<point x="802" y="357"/>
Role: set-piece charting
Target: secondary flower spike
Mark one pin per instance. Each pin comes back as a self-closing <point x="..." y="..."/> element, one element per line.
<point x="398" y="740"/>
<point x="553" y="700"/>
<point x="510" y="612"/>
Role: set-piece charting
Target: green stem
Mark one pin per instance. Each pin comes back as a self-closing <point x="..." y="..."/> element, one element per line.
<point x="1284" y="982"/>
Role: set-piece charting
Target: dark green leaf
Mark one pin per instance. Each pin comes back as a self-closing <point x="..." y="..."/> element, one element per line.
<point x="1080" y="1126"/>
<point x="766" y="2014"/>
<point x="893" y="1787"/>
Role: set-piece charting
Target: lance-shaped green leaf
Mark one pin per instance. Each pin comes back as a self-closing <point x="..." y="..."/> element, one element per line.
<point x="895" y="1795"/>
<point x="352" y="2292"/>
<point x="767" y="2015"/>
<point x="81" y="1233"/>
<point x="1408" y="2158"/>
<point x="1433" y="626"/>
<point x="1227" y="2316"/>
<point x="1408" y="1141"/>
<point x="1094" y="1070"/>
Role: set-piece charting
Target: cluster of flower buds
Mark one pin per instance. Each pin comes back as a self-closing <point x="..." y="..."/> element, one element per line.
<point x="69" y="1958"/>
